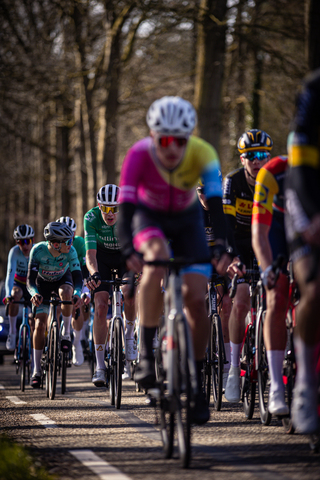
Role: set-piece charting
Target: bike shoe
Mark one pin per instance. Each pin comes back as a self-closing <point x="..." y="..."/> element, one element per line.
<point x="66" y="343"/>
<point x="304" y="409"/>
<point x="77" y="355"/>
<point x="145" y="373"/>
<point x="200" y="414"/>
<point x="11" y="342"/>
<point x="99" y="378"/>
<point x="232" y="392"/>
<point x="277" y="404"/>
<point x="35" y="380"/>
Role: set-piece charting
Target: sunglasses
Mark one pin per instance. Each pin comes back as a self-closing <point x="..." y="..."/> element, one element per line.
<point x="106" y="209"/>
<point x="69" y="242"/>
<point x="25" y="241"/>
<point x="251" y="156"/>
<point x="166" y="141"/>
<point x="200" y="190"/>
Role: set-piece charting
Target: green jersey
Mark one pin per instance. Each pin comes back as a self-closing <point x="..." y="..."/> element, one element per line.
<point x="98" y="235"/>
<point x="79" y="245"/>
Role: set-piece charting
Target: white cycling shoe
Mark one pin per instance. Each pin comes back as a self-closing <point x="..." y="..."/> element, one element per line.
<point x="304" y="409"/>
<point x="11" y="341"/>
<point x="126" y="371"/>
<point x="232" y="392"/>
<point x="77" y="355"/>
<point x="277" y="404"/>
<point x="99" y="378"/>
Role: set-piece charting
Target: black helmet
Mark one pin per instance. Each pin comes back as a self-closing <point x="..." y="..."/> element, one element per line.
<point x="23" y="231"/>
<point x="254" y="140"/>
<point x="57" y="232"/>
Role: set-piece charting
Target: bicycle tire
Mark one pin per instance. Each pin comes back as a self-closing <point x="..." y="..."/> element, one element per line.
<point x="111" y="369"/>
<point x="248" y="386"/>
<point x="217" y="363"/>
<point x="263" y="381"/>
<point x="118" y="362"/>
<point x="206" y="373"/>
<point x="24" y="357"/>
<point x="53" y="359"/>
<point x="64" y="365"/>
<point x="183" y="416"/>
<point x="289" y="374"/>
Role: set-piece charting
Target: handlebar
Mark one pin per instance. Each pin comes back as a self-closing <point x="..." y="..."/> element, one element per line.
<point x="26" y="303"/>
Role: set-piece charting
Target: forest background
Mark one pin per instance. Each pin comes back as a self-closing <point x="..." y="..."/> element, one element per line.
<point x="77" y="77"/>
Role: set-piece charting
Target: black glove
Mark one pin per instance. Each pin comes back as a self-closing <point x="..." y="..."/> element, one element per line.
<point x="95" y="277"/>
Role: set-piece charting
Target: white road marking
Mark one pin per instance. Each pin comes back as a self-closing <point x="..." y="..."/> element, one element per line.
<point x="15" y="400"/>
<point x="43" y="420"/>
<point x="100" y="467"/>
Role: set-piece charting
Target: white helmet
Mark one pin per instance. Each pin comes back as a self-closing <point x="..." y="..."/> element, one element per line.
<point x="108" y="195"/>
<point x="23" y="231"/>
<point x="172" y="116"/>
<point x="69" y="221"/>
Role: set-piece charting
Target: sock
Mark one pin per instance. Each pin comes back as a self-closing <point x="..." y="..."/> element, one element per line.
<point x="76" y="338"/>
<point x="235" y="354"/>
<point x="13" y="325"/>
<point x="66" y="324"/>
<point x="147" y="334"/>
<point x="37" y="354"/>
<point x="83" y="330"/>
<point x="227" y="350"/>
<point x="100" y="354"/>
<point x="306" y="366"/>
<point x="129" y="329"/>
<point x="275" y="362"/>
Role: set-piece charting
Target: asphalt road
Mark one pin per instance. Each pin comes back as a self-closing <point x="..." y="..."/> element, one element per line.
<point x="80" y="436"/>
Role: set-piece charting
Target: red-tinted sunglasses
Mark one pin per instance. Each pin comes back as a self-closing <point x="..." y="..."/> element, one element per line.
<point x="166" y="141"/>
<point x="25" y="241"/>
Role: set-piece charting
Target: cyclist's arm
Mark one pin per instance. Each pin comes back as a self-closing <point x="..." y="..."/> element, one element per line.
<point x="91" y="261"/>
<point x="11" y="270"/>
<point x="125" y="216"/>
<point x="33" y="269"/>
<point x="75" y="270"/>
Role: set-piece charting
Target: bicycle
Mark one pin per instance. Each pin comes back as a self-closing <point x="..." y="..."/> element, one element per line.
<point x="176" y="385"/>
<point x="215" y="355"/>
<point x="24" y="345"/>
<point x="54" y="358"/>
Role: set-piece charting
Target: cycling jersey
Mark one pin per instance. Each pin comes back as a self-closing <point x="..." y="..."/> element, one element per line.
<point x="268" y="206"/>
<point x="52" y="269"/>
<point x="17" y="269"/>
<point x="79" y="245"/>
<point x="99" y="235"/>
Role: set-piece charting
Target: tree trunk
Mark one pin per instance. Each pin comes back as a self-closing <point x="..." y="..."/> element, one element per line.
<point x="313" y="33"/>
<point x="209" y="68"/>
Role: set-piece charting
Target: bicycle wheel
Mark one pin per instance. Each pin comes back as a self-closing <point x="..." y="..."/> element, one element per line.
<point x="206" y="373"/>
<point x="118" y="362"/>
<point x="24" y="356"/>
<point x="248" y="385"/>
<point x="289" y="374"/>
<point x="263" y="381"/>
<point x="217" y="362"/>
<point x="53" y="359"/>
<point x="184" y="394"/>
<point x="64" y="364"/>
<point x="111" y="367"/>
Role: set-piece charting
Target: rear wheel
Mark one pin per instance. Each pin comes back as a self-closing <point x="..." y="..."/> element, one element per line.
<point x="217" y="361"/>
<point x="64" y="365"/>
<point x="263" y="381"/>
<point x="53" y="359"/>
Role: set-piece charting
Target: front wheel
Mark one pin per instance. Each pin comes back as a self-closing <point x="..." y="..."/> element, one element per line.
<point x="64" y="365"/>
<point x="263" y="380"/>
<point x="53" y="359"/>
<point x="118" y="362"/>
<point x="248" y="383"/>
<point x="24" y="355"/>
<point x="217" y="360"/>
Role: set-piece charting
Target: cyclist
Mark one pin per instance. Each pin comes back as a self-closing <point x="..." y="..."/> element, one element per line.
<point x="15" y="284"/>
<point x="102" y="255"/>
<point x="268" y="242"/>
<point x="303" y="235"/>
<point x="159" y="202"/>
<point x="80" y="324"/>
<point x="53" y="266"/>
<point x="254" y="147"/>
<point x="224" y="301"/>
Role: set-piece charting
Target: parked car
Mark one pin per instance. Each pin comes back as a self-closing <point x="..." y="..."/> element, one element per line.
<point x="4" y="323"/>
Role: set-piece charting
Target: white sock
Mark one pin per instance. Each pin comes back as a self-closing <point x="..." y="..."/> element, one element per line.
<point x="13" y="325"/>
<point x="66" y="324"/>
<point x="76" y="338"/>
<point x="306" y="366"/>
<point x="100" y="353"/>
<point x="227" y="350"/>
<point x="129" y="329"/>
<point x="37" y="354"/>
<point x="275" y="362"/>
<point x="83" y="329"/>
<point x="235" y="354"/>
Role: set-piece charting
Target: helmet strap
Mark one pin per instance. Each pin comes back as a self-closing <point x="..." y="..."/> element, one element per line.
<point x="57" y="249"/>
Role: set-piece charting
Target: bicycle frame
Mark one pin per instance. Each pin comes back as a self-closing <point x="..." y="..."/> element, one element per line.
<point x="25" y="322"/>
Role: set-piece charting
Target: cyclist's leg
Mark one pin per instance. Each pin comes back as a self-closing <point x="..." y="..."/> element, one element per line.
<point x="130" y="316"/>
<point x="38" y="345"/>
<point x="225" y="306"/>
<point x="77" y="325"/>
<point x="275" y="338"/>
<point x="65" y="293"/>
<point x="240" y="308"/>
<point x="304" y="405"/>
<point x="16" y="293"/>
<point x="100" y="335"/>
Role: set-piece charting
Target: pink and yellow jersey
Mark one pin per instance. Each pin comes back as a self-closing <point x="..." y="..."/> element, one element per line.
<point x="269" y="191"/>
<point x="144" y="181"/>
